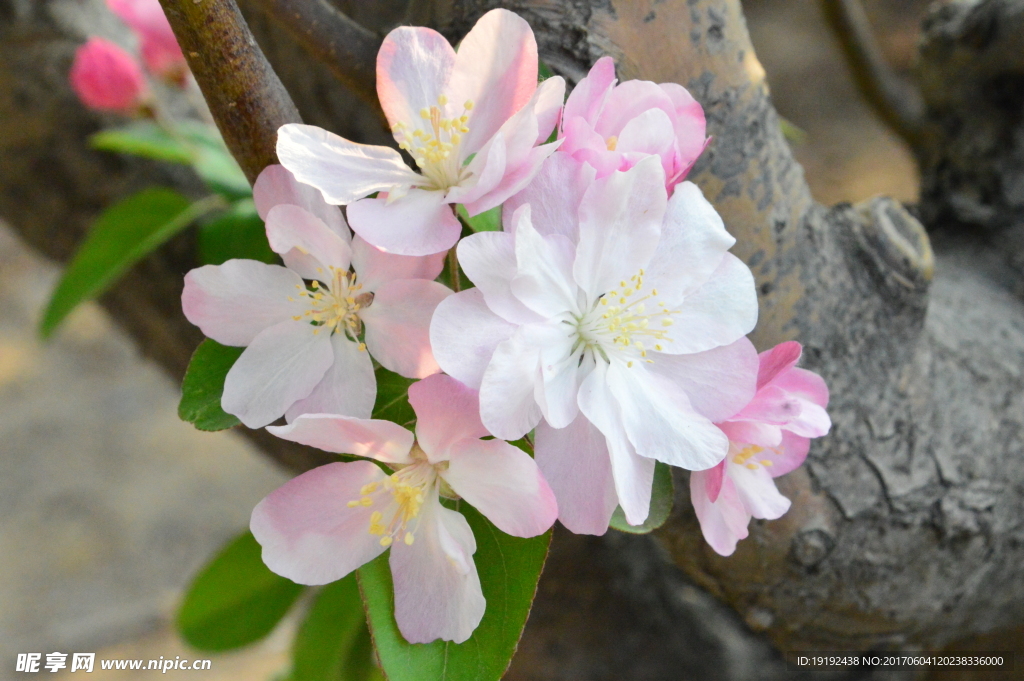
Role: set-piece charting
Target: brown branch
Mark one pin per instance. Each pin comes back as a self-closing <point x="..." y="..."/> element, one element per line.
<point x="245" y="96"/>
<point x="347" y="48"/>
<point x="893" y="98"/>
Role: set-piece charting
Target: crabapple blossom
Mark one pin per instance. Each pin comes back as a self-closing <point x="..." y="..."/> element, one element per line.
<point x="769" y="437"/>
<point x="160" y="50"/>
<point x="329" y="521"/>
<point x="612" y="127"/>
<point x="306" y="344"/>
<point x="612" y="320"/>
<point x="471" y="121"/>
<point x="107" y="78"/>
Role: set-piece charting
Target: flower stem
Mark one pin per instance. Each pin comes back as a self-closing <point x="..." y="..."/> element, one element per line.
<point x="453" y="270"/>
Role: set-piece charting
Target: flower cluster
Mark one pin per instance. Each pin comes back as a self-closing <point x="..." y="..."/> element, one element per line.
<point x="606" y="326"/>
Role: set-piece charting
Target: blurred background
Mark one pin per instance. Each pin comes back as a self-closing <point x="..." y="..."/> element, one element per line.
<point x="109" y="503"/>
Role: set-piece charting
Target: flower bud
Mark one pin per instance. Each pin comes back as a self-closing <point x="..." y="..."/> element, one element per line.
<point x="159" y="47"/>
<point x="107" y="78"/>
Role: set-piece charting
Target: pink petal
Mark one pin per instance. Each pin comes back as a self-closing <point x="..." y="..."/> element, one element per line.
<point x="805" y="384"/>
<point x="373" y="438"/>
<point x="464" y="334"/>
<point x="503" y="483"/>
<point x="724" y="521"/>
<point x="343" y="171"/>
<point x="307" y="245"/>
<point x="516" y="178"/>
<point x="690" y="127"/>
<point x="752" y="433"/>
<point x="579" y="135"/>
<point x="717" y="382"/>
<point x="620" y="225"/>
<point x="398" y="325"/>
<point x="437" y="589"/>
<point x="712" y="480"/>
<point x="757" y="490"/>
<point x="307" y="530"/>
<point x="772" y="405"/>
<point x="773" y="362"/>
<point x="789" y="456"/>
<point x="554" y="196"/>
<point x="629" y="100"/>
<point x="507" y="405"/>
<point x="547" y="106"/>
<point x="588" y="97"/>
<point x="419" y="223"/>
<point x="446" y="411"/>
<point x="375" y="267"/>
<point x="282" y="365"/>
<point x="544" y="279"/>
<point x="489" y="260"/>
<point x="414" y="65"/>
<point x="496" y="69"/>
<point x="349" y="387"/>
<point x="276" y="185"/>
<point x="576" y="463"/>
<point x="235" y="301"/>
<point x="650" y="133"/>
<point x="484" y="173"/>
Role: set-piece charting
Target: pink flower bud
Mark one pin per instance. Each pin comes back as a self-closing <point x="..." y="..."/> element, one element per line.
<point x="159" y="47"/>
<point x="107" y="78"/>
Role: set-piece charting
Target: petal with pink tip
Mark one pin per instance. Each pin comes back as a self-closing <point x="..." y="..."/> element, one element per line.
<point x="343" y="171"/>
<point x="282" y="365"/>
<point x="464" y="334"/>
<point x="576" y="463"/>
<point x="375" y="267"/>
<point x="507" y="405"/>
<point x="234" y="302"/>
<point x="773" y="362"/>
<point x="717" y="382"/>
<point x="349" y="387"/>
<point x="398" y="325"/>
<point x="547" y="107"/>
<point x="805" y="384"/>
<point x="414" y="65"/>
<point x="502" y="482"/>
<point x="758" y="492"/>
<point x="373" y="438"/>
<point x="276" y="186"/>
<point x="309" y="533"/>
<point x="713" y="480"/>
<point x="554" y="196"/>
<point x="496" y="69"/>
<point x="690" y="127"/>
<point x="772" y="405"/>
<point x="489" y="260"/>
<point x="419" y="223"/>
<point x="724" y="521"/>
<point x="587" y="99"/>
<point x="437" y="589"/>
<point x="307" y="245"/>
<point x="446" y="411"/>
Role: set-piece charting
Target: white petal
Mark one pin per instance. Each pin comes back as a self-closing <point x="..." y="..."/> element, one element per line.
<point x="276" y="186"/>
<point x="718" y="382"/>
<point x="489" y="260"/>
<point x="758" y="491"/>
<point x="554" y="196"/>
<point x="418" y="223"/>
<point x="398" y="325"/>
<point x="464" y="333"/>
<point x="723" y="521"/>
<point x="348" y="388"/>
<point x="544" y="280"/>
<point x="307" y="245"/>
<point x="374" y="266"/>
<point x="446" y="411"/>
<point x="507" y="405"/>
<point x="374" y="438"/>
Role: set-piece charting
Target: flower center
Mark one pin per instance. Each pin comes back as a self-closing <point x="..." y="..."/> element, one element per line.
<point x="335" y="306"/>
<point x="435" y="146"/>
<point x="744" y="457"/>
<point x="626" y="322"/>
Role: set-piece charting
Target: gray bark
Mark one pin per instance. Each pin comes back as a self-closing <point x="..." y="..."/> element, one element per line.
<point x="906" y="530"/>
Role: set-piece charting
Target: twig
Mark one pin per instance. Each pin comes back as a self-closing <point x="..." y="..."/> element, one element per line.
<point x="332" y="38"/>
<point x="245" y="96"/>
<point x="895" y="99"/>
<point x="453" y="270"/>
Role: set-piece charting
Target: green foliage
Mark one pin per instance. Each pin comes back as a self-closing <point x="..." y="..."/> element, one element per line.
<point x="203" y="385"/>
<point x="333" y="643"/>
<point x="509" y="569"/>
<point x="235" y="600"/>
<point x="236" y="233"/>
<point x="123" y="234"/>
<point x="662" y="497"/>
<point x="145" y="139"/>
<point x="794" y="134"/>
<point x="488" y="221"/>
<point x="393" y="398"/>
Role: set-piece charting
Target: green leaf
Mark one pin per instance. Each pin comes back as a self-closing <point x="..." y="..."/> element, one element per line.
<point x="662" y="497"/>
<point x="146" y="139"/>
<point x="543" y="71"/>
<point x="212" y="160"/>
<point x="203" y="385"/>
<point x="509" y="568"/>
<point x="393" y="398"/>
<point x="122" y="235"/>
<point x="793" y="133"/>
<point x="235" y="600"/>
<point x="236" y="233"/>
<point x="333" y="643"/>
<point x="488" y="221"/>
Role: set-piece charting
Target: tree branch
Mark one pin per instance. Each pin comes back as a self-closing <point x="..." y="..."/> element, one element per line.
<point x="894" y="99"/>
<point x="245" y="96"/>
<point x="329" y="36"/>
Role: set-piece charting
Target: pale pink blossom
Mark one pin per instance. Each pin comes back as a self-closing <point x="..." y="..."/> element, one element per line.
<point x="159" y="47"/>
<point x="612" y="127"/>
<point x="325" y="523"/>
<point x="306" y="344"/>
<point x="612" y="320"/>
<point x="107" y="78"/>
<point x="471" y="120"/>
<point x="769" y="437"/>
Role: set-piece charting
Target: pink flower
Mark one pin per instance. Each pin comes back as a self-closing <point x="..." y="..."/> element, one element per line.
<point x="303" y="349"/>
<point x="159" y="47"/>
<point x="612" y="320"/>
<point x="471" y="121"/>
<point x="769" y="437"/>
<point x="613" y="127"/>
<point x="325" y="523"/>
<point x="107" y="78"/>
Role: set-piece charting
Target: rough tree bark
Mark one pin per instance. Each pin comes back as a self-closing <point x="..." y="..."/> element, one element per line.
<point x="906" y="530"/>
